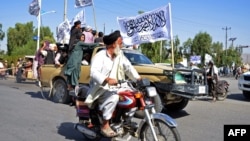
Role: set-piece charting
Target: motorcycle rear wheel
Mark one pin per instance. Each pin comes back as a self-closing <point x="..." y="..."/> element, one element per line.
<point x="163" y="132"/>
<point x="222" y="97"/>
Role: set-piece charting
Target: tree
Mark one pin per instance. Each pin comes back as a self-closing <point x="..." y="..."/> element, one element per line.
<point x="177" y="50"/>
<point x="202" y="45"/>
<point x="187" y="48"/>
<point x="217" y="53"/>
<point x="152" y="51"/>
<point x="20" y="38"/>
<point x="2" y="34"/>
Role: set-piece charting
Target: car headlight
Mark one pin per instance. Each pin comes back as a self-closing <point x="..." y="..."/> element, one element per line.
<point x="167" y="73"/>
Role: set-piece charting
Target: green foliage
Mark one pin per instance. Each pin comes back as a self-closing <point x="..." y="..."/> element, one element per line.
<point x="2" y="34"/>
<point x="155" y="51"/>
<point x="20" y="38"/>
<point x="177" y="50"/>
<point x="27" y="49"/>
<point x="201" y="45"/>
<point x="187" y="48"/>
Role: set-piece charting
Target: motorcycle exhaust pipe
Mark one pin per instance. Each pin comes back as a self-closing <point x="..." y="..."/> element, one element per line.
<point x="85" y="130"/>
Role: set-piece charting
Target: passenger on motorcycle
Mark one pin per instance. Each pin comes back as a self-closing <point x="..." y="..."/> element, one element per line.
<point x="212" y="78"/>
<point x="107" y="67"/>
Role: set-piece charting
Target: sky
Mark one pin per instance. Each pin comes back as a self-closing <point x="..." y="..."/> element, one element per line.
<point x="189" y="17"/>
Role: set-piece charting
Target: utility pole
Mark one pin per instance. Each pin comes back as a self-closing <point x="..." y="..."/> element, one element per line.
<point x="104" y="28"/>
<point x="241" y="50"/>
<point x="232" y="39"/>
<point x="227" y="28"/>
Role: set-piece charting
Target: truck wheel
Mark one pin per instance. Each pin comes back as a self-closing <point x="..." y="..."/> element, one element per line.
<point x="175" y="107"/>
<point x="246" y="94"/>
<point x="59" y="92"/>
<point x="158" y="107"/>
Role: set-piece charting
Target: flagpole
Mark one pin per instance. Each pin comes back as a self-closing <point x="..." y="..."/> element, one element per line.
<point x="38" y="25"/>
<point x="35" y="64"/>
<point x="94" y="16"/>
<point x="65" y="15"/>
<point x="65" y="10"/>
<point x="171" y="35"/>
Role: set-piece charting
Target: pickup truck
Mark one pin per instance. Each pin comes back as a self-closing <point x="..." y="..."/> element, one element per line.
<point x="244" y="84"/>
<point x="175" y="87"/>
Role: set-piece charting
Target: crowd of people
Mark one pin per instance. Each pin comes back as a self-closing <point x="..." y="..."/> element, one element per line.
<point x="72" y="57"/>
<point x="12" y="68"/>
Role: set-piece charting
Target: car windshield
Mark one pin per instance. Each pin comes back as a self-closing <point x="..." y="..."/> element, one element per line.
<point x="136" y="58"/>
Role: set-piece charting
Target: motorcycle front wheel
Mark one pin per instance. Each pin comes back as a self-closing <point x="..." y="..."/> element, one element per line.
<point x="163" y="132"/>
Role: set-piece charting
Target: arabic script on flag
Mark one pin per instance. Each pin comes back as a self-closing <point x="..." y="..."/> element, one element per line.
<point x="147" y="27"/>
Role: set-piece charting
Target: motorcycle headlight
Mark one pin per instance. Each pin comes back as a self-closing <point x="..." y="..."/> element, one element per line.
<point x="151" y="91"/>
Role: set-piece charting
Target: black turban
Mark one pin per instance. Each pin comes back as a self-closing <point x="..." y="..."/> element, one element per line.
<point x="111" y="38"/>
<point x="77" y="23"/>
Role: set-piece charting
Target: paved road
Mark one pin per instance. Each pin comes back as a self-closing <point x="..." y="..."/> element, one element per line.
<point x="26" y="116"/>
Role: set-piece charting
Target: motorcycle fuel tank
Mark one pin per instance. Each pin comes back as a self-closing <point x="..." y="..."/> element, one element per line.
<point x="126" y="99"/>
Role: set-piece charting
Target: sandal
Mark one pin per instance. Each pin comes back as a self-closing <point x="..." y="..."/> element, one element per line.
<point x="108" y="132"/>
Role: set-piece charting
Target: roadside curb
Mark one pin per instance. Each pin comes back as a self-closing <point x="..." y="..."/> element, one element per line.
<point x="10" y="76"/>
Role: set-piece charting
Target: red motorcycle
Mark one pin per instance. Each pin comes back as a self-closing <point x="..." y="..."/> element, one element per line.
<point x="134" y="97"/>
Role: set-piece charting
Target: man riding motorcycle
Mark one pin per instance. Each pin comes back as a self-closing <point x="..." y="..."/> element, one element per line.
<point x="107" y="67"/>
<point x="212" y="79"/>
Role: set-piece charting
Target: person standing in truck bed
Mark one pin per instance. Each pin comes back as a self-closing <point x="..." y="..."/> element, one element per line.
<point x="73" y="65"/>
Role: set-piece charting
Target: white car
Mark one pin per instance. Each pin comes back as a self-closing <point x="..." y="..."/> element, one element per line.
<point x="244" y="84"/>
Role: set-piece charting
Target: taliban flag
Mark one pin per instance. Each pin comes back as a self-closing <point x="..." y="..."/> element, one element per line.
<point x="78" y="17"/>
<point x="148" y="27"/>
<point x="83" y="3"/>
<point x="34" y="8"/>
<point x="63" y="32"/>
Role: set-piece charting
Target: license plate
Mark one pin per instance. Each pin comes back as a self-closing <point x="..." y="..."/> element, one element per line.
<point x="202" y="89"/>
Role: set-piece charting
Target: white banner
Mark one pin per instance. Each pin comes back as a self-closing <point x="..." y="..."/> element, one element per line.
<point x="83" y="3"/>
<point x="208" y="58"/>
<point x="34" y="8"/>
<point x="195" y="59"/>
<point x="79" y="17"/>
<point x="63" y="32"/>
<point x="147" y="27"/>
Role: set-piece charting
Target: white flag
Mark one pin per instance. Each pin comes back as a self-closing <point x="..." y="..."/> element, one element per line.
<point x="34" y="7"/>
<point x="83" y="3"/>
<point x="147" y="27"/>
<point x="63" y="32"/>
<point x="79" y="17"/>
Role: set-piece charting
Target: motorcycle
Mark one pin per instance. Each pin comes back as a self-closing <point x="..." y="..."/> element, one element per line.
<point x="133" y="97"/>
<point x="221" y="90"/>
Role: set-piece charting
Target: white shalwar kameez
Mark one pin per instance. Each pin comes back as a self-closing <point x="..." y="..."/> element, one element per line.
<point x="103" y="66"/>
